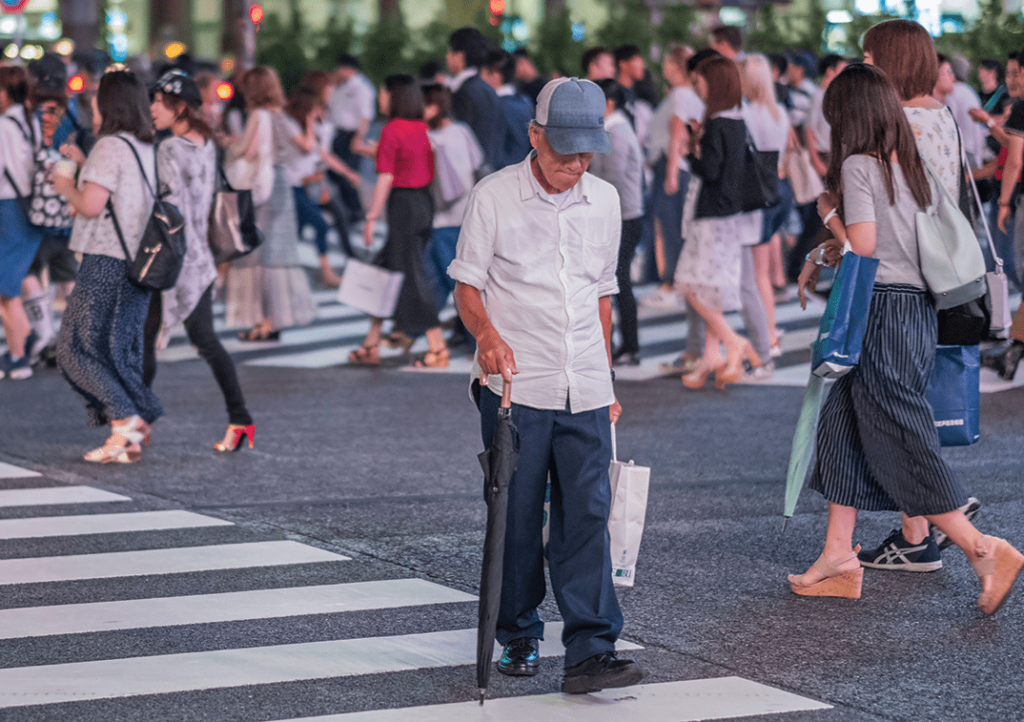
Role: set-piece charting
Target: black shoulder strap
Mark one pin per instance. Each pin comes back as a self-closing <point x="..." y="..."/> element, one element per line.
<point x="224" y="179"/>
<point x="7" y="173"/>
<point x="110" y="204"/>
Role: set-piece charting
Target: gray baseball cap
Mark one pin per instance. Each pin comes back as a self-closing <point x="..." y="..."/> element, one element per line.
<point x="571" y="112"/>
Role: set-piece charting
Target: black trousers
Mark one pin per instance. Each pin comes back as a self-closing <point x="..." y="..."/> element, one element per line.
<point x="809" y="238"/>
<point x="410" y="214"/>
<point x="199" y="327"/>
<point x="626" y="301"/>
<point x="342" y="147"/>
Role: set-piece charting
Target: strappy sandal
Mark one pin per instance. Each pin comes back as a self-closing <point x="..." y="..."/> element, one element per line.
<point x="123" y="446"/>
<point x="1003" y="564"/>
<point x="434" y="359"/>
<point x="365" y="356"/>
<point x="837" y="581"/>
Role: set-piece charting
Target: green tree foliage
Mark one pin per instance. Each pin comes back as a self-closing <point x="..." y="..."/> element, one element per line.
<point x="279" y="45"/>
<point x="555" y="49"/>
<point x="385" y="47"/>
<point x="676" y="23"/>
<point x="767" y="35"/>
<point x="336" y="37"/>
<point x="629" y="23"/>
<point x="994" y="34"/>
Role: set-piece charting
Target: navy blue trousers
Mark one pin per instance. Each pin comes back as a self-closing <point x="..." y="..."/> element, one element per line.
<point x="575" y="449"/>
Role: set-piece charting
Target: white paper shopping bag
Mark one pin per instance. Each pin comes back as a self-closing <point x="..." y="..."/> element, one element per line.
<point x="370" y="288"/>
<point x="626" y="520"/>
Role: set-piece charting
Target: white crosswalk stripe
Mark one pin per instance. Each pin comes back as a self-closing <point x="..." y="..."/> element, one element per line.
<point x="688" y="701"/>
<point x="57" y="495"/>
<point x="50" y="526"/>
<point x="160" y="561"/>
<point x="9" y="471"/>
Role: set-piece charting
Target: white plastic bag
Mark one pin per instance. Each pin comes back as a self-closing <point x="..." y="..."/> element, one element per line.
<point x="626" y="519"/>
<point x="370" y="288"/>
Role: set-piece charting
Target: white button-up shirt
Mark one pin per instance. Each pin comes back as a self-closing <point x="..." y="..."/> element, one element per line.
<point x="541" y="263"/>
<point x="351" y="103"/>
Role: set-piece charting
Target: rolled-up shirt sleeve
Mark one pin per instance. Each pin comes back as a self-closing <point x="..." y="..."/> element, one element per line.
<point x="475" y="249"/>
<point x="608" y="285"/>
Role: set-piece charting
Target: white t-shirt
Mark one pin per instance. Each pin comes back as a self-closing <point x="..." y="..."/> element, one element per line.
<point x="299" y="164"/>
<point x="817" y="124"/>
<point x="767" y="133"/>
<point x="460" y="149"/>
<point x="112" y="164"/>
<point x="682" y="103"/>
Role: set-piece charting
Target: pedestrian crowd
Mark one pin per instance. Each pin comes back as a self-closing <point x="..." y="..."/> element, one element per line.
<point x="537" y="206"/>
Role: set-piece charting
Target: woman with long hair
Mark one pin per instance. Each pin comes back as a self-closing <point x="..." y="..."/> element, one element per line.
<point x="709" y="266"/>
<point x="405" y="164"/>
<point x="904" y="51"/>
<point x="770" y="130"/>
<point x="267" y="290"/>
<point x="187" y="169"/>
<point x="19" y="139"/>
<point x="99" y="346"/>
<point x="877" y="444"/>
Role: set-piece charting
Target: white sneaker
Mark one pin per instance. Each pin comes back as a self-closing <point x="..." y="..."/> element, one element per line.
<point x="761" y="373"/>
<point x="660" y="298"/>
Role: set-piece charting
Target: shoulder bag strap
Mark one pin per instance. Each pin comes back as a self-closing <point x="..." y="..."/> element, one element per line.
<point x="981" y="212"/>
<point x="142" y="170"/>
<point x="110" y="204"/>
<point x="224" y="179"/>
<point x="7" y="173"/>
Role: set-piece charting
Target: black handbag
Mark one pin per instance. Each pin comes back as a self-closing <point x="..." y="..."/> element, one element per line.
<point x="233" y="231"/>
<point x="158" y="263"/>
<point x="966" y="324"/>
<point x="759" y="188"/>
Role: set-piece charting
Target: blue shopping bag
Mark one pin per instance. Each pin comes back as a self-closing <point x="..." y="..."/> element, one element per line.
<point x="837" y="349"/>
<point x="953" y="392"/>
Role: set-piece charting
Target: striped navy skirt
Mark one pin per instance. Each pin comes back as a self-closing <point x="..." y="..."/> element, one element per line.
<point x="878" y="449"/>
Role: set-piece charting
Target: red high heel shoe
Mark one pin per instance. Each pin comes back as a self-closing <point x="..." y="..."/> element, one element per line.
<point x="234" y="437"/>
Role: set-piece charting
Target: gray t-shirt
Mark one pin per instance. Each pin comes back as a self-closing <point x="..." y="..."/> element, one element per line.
<point x="865" y="200"/>
<point x="112" y="165"/>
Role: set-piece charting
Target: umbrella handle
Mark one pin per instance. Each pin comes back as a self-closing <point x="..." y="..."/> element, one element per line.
<point x="506" y="394"/>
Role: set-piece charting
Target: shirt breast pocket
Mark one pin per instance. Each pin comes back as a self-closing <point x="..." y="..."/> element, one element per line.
<point x="592" y="245"/>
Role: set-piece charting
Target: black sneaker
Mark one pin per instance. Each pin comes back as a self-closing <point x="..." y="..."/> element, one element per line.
<point x="625" y="358"/>
<point x="970" y="510"/>
<point x="898" y="554"/>
<point x="521" y="658"/>
<point x="602" y="671"/>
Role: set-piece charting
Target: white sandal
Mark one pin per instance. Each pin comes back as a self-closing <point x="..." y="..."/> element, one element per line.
<point x="123" y="446"/>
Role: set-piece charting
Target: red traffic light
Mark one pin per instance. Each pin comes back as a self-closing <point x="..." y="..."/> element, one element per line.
<point x="76" y="83"/>
<point x="497" y="7"/>
<point x="225" y="91"/>
<point x="256" y="14"/>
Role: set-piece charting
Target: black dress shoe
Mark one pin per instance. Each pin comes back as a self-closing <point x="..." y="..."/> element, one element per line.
<point x="602" y="671"/>
<point x="521" y="658"/>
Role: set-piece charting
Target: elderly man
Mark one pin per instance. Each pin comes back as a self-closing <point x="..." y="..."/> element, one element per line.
<point x="535" y="272"/>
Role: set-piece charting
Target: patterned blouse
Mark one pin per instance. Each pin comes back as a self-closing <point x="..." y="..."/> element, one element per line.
<point x="938" y="142"/>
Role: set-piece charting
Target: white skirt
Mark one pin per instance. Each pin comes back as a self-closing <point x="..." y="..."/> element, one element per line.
<point x="709" y="265"/>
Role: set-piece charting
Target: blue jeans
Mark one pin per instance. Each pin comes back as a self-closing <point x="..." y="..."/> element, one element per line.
<point x="308" y="214"/>
<point x="440" y="254"/>
<point x="668" y="210"/>
<point x="575" y="449"/>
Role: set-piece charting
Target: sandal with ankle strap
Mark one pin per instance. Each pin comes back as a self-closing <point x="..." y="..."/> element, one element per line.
<point x="1004" y="564"/>
<point x="434" y="359"/>
<point x="365" y="356"/>
<point x="836" y="581"/>
<point x="124" y="444"/>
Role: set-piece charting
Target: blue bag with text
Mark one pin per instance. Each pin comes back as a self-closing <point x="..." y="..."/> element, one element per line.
<point x="837" y="349"/>
<point x="953" y="392"/>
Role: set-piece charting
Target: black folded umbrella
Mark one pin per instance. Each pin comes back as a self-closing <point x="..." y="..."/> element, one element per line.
<point x="499" y="461"/>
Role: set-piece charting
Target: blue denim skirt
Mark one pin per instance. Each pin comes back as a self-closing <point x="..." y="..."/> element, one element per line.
<point x="18" y="245"/>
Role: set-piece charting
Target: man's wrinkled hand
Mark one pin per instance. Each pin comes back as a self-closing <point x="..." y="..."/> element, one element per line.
<point x="495" y="357"/>
<point x="615" y="411"/>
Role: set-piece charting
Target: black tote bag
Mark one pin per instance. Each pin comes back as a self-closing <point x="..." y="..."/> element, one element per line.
<point x="759" y="188"/>
<point x="233" y="231"/>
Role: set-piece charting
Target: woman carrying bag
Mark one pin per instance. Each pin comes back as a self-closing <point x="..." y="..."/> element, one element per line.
<point x="187" y="171"/>
<point x="877" y="446"/>
<point x="99" y="346"/>
<point x="405" y="164"/>
<point x="268" y="289"/>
